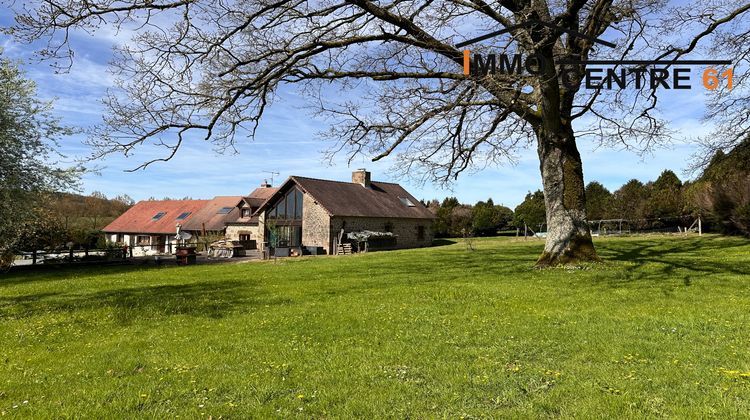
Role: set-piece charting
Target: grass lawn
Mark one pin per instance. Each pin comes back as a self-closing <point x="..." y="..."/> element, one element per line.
<point x="661" y="329"/>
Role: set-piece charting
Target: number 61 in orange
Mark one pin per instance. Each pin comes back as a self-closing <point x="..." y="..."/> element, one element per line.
<point x="711" y="78"/>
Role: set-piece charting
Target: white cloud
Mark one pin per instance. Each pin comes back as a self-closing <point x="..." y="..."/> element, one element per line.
<point x="286" y="143"/>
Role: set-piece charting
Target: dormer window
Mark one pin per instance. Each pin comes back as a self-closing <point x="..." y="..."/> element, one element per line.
<point x="246" y="213"/>
<point x="159" y="215"/>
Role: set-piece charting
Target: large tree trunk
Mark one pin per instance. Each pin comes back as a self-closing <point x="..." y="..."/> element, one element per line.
<point x="568" y="233"/>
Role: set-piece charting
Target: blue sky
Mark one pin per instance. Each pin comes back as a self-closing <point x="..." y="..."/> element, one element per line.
<point x="286" y="143"/>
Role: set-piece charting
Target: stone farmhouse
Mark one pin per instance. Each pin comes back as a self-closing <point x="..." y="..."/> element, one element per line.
<point x="303" y="215"/>
<point x="317" y="213"/>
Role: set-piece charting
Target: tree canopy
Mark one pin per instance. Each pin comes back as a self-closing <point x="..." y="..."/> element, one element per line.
<point x="723" y="191"/>
<point x="28" y="156"/>
<point x="598" y="201"/>
<point x="214" y="68"/>
<point x="531" y="212"/>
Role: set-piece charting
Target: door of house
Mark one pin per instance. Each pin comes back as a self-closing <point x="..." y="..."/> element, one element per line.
<point x="160" y="244"/>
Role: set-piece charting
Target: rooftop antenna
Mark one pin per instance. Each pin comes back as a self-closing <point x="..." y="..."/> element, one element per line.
<point x="272" y="174"/>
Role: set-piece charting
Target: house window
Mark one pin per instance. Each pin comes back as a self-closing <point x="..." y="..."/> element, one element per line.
<point x="159" y="215"/>
<point x="120" y="238"/>
<point x="388" y="227"/>
<point x="281" y="209"/>
<point x="144" y="240"/>
<point x="420" y="233"/>
<point x="245" y="237"/>
<point x="288" y="236"/>
<point x="298" y="198"/>
<point x="184" y="215"/>
<point x="224" y="210"/>
<point x="246" y="213"/>
<point x="288" y="207"/>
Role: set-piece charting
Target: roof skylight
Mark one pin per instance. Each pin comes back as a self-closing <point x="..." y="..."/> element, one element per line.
<point x="159" y="215"/>
<point x="405" y="201"/>
<point x="184" y="215"/>
<point x="224" y="210"/>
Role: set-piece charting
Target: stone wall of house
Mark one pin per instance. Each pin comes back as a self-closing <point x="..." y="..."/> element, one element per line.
<point x="407" y="230"/>
<point x="261" y="231"/>
<point x="315" y="229"/>
<point x="320" y="229"/>
<point x="233" y="232"/>
<point x="315" y="224"/>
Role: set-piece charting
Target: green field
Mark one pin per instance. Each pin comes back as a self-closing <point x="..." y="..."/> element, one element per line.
<point x="662" y="328"/>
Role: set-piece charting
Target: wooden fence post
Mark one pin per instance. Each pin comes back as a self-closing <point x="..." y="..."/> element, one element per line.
<point x="700" y="227"/>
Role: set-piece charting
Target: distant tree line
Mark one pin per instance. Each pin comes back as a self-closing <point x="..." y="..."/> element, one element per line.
<point x="720" y="196"/>
<point x="73" y="220"/>
<point x="454" y="219"/>
<point x="649" y="205"/>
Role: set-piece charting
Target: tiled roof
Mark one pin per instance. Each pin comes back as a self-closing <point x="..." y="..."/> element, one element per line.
<point x="263" y="193"/>
<point x="210" y="218"/>
<point x="255" y="200"/>
<point x="140" y="217"/>
<point x="382" y="199"/>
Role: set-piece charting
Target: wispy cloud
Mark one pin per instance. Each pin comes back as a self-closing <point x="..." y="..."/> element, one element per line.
<point x="287" y="142"/>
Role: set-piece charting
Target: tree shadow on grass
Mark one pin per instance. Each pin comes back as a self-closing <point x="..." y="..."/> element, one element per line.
<point x="212" y="299"/>
<point x="674" y="259"/>
<point x="52" y="273"/>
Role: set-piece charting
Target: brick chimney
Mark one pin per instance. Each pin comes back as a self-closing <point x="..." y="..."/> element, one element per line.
<point x="361" y="177"/>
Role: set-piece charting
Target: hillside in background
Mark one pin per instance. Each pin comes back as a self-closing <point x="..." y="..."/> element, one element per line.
<point x="89" y="212"/>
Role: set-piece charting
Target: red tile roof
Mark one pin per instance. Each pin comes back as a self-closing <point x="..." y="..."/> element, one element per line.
<point x="208" y="218"/>
<point x="263" y="193"/>
<point x="140" y="218"/>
